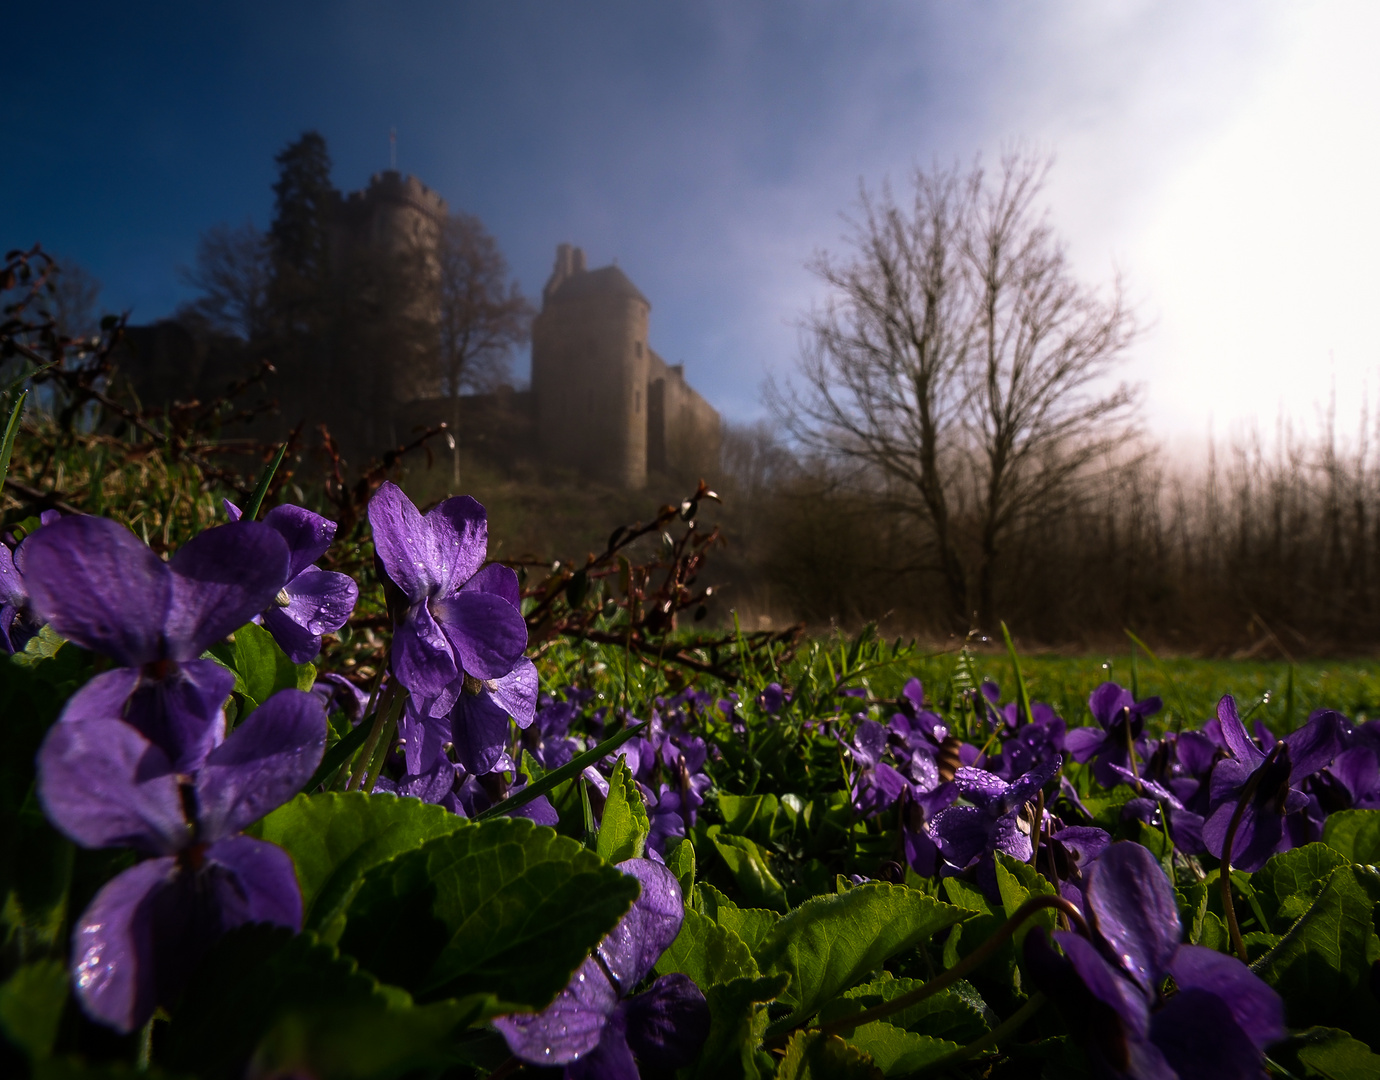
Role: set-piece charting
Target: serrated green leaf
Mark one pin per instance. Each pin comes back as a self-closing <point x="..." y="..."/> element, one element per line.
<point x="31" y="1003"/>
<point x="751" y="924"/>
<point x="1355" y="833"/>
<point x="1018" y="882"/>
<point x="896" y="1051"/>
<point x="680" y="860"/>
<point x="828" y="943"/>
<point x="955" y="1013"/>
<point x="737" y="1022"/>
<point x="1290" y="881"/>
<point x="252" y="977"/>
<point x="707" y="952"/>
<point x="262" y="668"/>
<point x="748" y="864"/>
<point x="749" y="815"/>
<point x="356" y="1043"/>
<point x="502" y="907"/>
<point x="335" y="838"/>
<point x="1322" y="966"/>
<point x="1335" y="1055"/>
<point x="813" y="1056"/>
<point x="623" y="828"/>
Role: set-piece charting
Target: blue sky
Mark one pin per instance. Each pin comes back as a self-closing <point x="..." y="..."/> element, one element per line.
<point x="1219" y="155"/>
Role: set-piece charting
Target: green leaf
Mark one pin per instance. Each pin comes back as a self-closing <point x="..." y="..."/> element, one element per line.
<point x="749" y="815"/>
<point x="707" y="952"/>
<point x="356" y="1043"/>
<point x="896" y="1051"/>
<point x="1289" y="883"/>
<point x="955" y="1013"/>
<point x="556" y="777"/>
<point x="811" y="1055"/>
<point x="1018" y="882"/>
<point x="748" y="864"/>
<point x="1355" y="833"/>
<point x="31" y="1002"/>
<point x="335" y="838"/>
<point x="1322" y="967"/>
<point x="1335" y="1055"/>
<point x="737" y="1022"/>
<point x="680" y="860"/>
<point x="339" y="752"/>
<point x="252" y="977"/>
<point x="501" y="907"/>
<point x="262" y="668"/>
<point x="828" y="943"/>
<point x="623" y="828"/>
<point x="751" y="924"/>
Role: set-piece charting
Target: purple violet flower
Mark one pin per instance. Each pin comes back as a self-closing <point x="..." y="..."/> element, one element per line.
<point x="993" y="821"/>
<point x="104" y="784"/>
<point x="1276" y="778"/>
<point x="594" y="1027"/>
<point x="1121" y="721"/>
<point x="452" y="618"/>
<point x="1216" y="1025"/>
<point x="313" y="601"/>
<point x="875" y="784"/>
<point x="101" y="587"/>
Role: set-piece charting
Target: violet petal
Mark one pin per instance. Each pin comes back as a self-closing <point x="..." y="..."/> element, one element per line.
<point x="479" y="730"/>
<point x="100" y="586"/>
<point x="1234" y="733"/>
<point x="112" y="946"/>
<point x="1131" y="906"/>
<point x="1256" y="1007"/>
<point x="488" y="633"/>
<point x="184" y="713"/>
<point x="105" y="785"/>
<point x="1200" y="1039"/>
<point x="253" y="881"/>
<point x="264" y="763"/>
<point x="516" y="692"/>
<point x="612" y="1059"/>
<point x="307" y="535"/>
<point x="570" y="1026"/>
<point x="104" y="697"/>
<point x="644" y="933"/>
<point x="222" y="578"/>
<point x="497" y="580"/>
<point x="424" y="662"/>
<point x="668" y="1024"/>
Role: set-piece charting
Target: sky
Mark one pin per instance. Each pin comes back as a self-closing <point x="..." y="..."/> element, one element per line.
<point x="1220" y="156"/>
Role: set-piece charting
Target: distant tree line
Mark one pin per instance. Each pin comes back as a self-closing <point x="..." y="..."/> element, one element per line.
<point x="956" y="449"/>
<point x="352" y="329"/>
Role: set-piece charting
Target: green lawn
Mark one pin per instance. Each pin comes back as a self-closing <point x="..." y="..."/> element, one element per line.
<point x="1190" y="688"/>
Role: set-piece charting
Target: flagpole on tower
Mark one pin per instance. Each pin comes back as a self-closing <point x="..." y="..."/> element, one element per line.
<point x="393" y="149"/>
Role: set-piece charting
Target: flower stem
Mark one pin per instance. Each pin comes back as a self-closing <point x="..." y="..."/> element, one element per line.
<point x="969" y="963"/>
<point x="1224" y="871"/>
<point x="367" y="753"/>
<point x="1007" y="1027"/>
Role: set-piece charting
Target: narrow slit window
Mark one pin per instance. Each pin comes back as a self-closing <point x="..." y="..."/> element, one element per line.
<point x="637" y="401"/>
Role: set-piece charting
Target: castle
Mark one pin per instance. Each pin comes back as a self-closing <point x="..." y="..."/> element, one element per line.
<point x="602" y="402"/>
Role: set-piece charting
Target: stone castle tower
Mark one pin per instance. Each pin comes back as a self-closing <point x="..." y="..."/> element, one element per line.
<point x="605" y="402"/>
<point x="394" y="225"/>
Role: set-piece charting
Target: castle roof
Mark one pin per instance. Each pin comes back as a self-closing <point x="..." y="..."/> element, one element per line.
<point x="606" y="281"/>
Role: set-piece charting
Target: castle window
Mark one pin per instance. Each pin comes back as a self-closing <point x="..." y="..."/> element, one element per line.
<point x="637" y="398"/>
<point x="637" y="349"/>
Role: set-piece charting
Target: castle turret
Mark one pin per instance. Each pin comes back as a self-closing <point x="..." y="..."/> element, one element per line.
<point x="589" y="370"/>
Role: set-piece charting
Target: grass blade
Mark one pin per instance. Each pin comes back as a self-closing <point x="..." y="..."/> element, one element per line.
<point x="340" y="753"/>
<point x="573" y="767"/>
<point x="11" y="430"/>
<point x="1022" y="693"/>
<point x="251" y="508"/>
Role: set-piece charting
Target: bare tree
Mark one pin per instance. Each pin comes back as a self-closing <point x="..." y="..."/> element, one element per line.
<point x="962" y="367"/>
<point x="484" y="315"/>
<point x="232" y="272"/>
